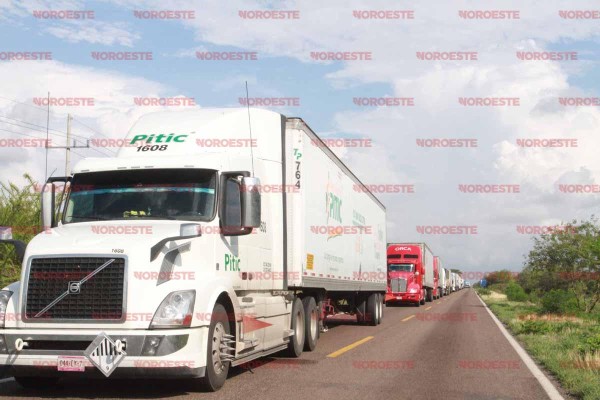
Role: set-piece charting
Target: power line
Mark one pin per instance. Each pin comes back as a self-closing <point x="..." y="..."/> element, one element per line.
<point x="39" y="126"/>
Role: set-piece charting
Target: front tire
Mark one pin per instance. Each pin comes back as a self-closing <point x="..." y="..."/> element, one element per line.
<point x="216" y="367"/>
<point x="296" y="343"/>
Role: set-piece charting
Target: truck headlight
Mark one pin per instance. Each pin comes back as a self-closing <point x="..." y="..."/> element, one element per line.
<point x="4" y="298"/>
<point x="175" y="311"/>
<point x="413" y="290"/>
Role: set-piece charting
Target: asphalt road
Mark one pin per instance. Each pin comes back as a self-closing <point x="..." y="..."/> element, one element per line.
<point x="448" y="349"/>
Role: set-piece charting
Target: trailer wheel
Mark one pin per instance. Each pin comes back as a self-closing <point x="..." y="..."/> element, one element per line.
<point x="311" y="323"/>
<point x="429" y="295"/>
<point x="372" y="309"/>
<point x="379" y="309"/>
<point x="217" y="367"/>
<point x="296" y="343"/>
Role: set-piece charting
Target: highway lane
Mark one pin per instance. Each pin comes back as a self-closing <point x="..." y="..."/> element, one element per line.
<point x="448" y="349"/>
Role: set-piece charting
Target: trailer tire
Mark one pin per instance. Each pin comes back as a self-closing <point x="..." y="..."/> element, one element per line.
<point x="379" y="308"/>
<point x="429" y="295"/>
<point x="296" y="343"/>
<point x="372" y="309"/>
<point x="311" y="323"/>
<point x="214" y="379"/>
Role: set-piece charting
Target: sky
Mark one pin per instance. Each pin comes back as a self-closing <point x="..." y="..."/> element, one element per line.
<point x="509" y="161"/>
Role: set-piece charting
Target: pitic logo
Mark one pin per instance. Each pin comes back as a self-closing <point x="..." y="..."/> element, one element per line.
<point x="160" y="138"/>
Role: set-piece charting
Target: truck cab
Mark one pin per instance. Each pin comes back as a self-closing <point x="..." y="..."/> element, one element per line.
<point x="405" y="275"/>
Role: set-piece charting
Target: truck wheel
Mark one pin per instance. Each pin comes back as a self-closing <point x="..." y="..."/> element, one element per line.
<point x="216" y="367"/>
<point x="429" y="295"/>
<point x="422" y="301"/>
<point x="418" y="304"/>
<point x="372" y="309"/>
<point x="36" y="383"/>
<point x="296" y="343"/>
<point x="381" y="307"/>
<point x="311" y="323"/>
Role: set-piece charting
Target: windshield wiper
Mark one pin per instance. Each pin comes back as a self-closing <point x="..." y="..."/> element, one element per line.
<point x="94" y="217"/>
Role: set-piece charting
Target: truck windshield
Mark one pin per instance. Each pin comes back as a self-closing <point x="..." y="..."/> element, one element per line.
<point x="401" y="267"/>
<point x="179" y="194"/>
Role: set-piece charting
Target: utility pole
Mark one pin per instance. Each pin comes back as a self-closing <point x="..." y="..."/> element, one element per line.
<point x="68" y="146"/>
<point x="68" y="155"/>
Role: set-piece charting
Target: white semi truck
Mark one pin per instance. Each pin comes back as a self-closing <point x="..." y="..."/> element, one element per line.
<point x="216" y="237"/>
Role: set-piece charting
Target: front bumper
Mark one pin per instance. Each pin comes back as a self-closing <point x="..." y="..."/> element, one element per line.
<point x="180" y="353"/>
<point x="402" y="297"/>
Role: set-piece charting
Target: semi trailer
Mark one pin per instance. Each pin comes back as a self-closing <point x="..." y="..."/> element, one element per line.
<point x="410" y="273"/>
<point x="441" y="286"/>
<point x="180" y="259"/>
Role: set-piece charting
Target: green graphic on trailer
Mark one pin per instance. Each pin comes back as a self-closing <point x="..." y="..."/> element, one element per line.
<point x="160" y="138"/>
<point x="232" y="262"/>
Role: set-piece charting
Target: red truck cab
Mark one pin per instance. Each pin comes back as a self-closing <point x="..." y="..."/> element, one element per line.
<point x="405" y="275"/>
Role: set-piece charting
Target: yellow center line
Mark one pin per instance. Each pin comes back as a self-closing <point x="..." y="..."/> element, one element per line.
<point x="428" y="308"/>
<point x="407" y="318"/>
<point x="349" y="347"/>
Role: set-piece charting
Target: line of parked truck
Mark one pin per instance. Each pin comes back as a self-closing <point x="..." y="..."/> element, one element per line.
<point x="197" y="259"/>
<point x="415" y="275"/>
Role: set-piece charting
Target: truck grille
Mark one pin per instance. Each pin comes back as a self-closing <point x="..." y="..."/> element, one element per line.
<point x="398" y="285"/>
<point x="99" y="298"/>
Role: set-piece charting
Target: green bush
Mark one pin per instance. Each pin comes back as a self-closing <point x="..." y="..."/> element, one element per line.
<point x="558" y="301"/>
<point x="514" y="292"/>
<point x="484" y="291"/>
<point x="535" y="327"/>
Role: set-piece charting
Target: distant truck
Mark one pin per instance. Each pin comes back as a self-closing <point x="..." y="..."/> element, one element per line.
<point x="447" y="282"/>
<point x="411" y="276"/>
<point x="194" y="258"/>
<point x="441" y="276"/>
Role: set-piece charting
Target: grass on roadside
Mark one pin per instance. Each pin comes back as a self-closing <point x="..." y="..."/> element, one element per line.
<point x="566" y="345"/>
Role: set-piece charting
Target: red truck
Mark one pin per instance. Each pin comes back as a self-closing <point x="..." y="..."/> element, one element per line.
<point x="412" y="274"/>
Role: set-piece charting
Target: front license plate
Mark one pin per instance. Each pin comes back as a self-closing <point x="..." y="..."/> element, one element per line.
<point x="71" y="364"/>
<point x="398" y="297"/>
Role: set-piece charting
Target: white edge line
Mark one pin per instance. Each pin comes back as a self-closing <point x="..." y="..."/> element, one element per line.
<point x="553" y="394"/>
<point x="6" y="380"/>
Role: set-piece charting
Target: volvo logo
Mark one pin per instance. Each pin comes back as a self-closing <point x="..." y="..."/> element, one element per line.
<point x="74" y="287"/>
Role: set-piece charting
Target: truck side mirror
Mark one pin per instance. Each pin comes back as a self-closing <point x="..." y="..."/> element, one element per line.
<point x="48" y="206"/>
<point x="250" y="202"/>
<point x="6" y="238"/>
<point x="240" y="208"/>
